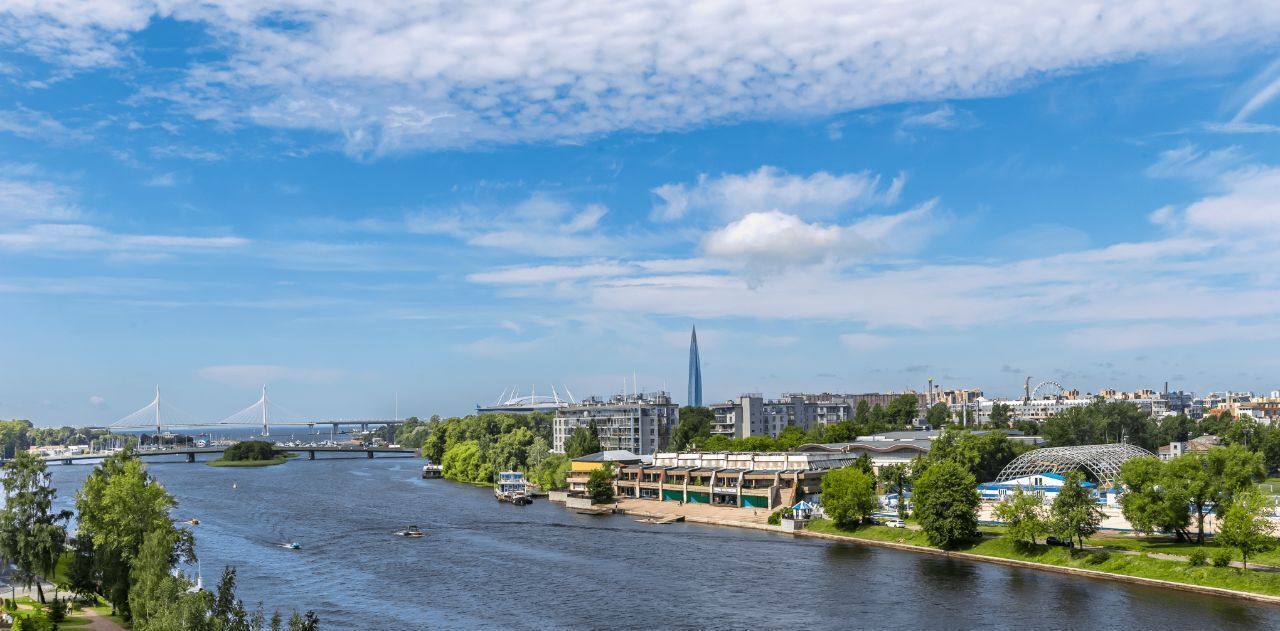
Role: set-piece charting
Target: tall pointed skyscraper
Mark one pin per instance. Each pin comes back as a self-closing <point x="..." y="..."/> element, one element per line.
<point x="695" y="371"/>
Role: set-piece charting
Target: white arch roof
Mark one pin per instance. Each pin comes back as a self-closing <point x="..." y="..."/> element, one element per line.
<point x="1103" y="461"/>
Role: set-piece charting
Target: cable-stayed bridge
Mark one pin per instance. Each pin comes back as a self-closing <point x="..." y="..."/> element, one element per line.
<point x="264" y="413"/>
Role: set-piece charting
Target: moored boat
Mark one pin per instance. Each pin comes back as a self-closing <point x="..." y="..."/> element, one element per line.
<point x="512" y="487"/>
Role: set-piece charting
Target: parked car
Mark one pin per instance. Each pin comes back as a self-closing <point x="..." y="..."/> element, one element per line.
<point x="1054" y="541"/>
<point x="895" y="523"/>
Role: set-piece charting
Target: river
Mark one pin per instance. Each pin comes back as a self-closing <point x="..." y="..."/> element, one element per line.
<point x="485" y="565"/>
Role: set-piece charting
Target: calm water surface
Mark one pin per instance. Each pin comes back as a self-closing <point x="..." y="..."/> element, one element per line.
<point x="485" y="565"/>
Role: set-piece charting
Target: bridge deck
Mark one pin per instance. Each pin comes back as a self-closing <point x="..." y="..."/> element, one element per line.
<point x="192" y="451"/>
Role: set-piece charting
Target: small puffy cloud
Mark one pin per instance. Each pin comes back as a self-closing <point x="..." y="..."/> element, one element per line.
<point x="730" y="196"/>
<point x="162" y="180"/>
<point x="1249" y="208"/>
<point x="97" y="401"/>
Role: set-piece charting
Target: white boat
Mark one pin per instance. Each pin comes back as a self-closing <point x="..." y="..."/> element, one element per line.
<point x="512" y="487"/>
<point x="411" y="531"/>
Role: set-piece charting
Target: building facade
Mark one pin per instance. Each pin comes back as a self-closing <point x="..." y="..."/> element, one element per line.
<point x="640" y="423"/>
<point x="695" y="370"/>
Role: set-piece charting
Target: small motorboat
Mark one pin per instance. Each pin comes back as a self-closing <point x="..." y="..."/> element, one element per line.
<point x="292" y="545"/>
<point x="411" y="531"/>
<point x="193" y="521"/>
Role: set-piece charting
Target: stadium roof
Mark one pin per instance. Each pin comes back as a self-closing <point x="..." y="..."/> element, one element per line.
<point x="1103" y="461"/>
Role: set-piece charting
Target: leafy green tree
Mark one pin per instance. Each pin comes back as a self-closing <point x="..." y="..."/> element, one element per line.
<point x="511" y="451"/>
<point x="600" y="484"/>
<point x="1153" y="499"/>
<point x="1000" y="415"/>
<point x="790" y="438"/>
<point x="1023" y="514"/>
<point x="552" y="472"/>
<point x="159" y="600"/>
<point x="842" y="432"/>
<point x="250" y="450"/>
<point x="1246" y="526"/>
<point x="118" y="504"/>
<point x="465" y="462"/>
<point x="983" y="454"/>
<point x="694" y="427"/>
<point x="946" y="503"/>
<point x="583" y="441"/>
<point x="938" y="415"/>
<point x="1176" y="428"/>
<point x="1232" y="469"/>
<point x="902" y="410"/>
<point x="862" y="413"/>
<point x="848" y="495"/>
<point x="32" y="534"/>
<point x="896" y="479"/>
<point x="82" y="578"/>
<point x="1074" y="514"/>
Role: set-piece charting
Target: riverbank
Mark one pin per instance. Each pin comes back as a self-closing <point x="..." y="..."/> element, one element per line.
<point x="1132" y="568"/>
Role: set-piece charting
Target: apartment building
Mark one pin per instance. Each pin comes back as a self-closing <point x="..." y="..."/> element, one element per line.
<point x="640" y="423"/>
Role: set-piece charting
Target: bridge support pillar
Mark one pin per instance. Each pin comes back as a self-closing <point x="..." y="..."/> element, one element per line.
<point x="191" y="457"/>
<point x="311" y="455"/>
<point x="370" y="454"/>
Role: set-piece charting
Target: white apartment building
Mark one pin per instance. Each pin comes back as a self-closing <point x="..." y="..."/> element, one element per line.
<point x="640" y="423"/>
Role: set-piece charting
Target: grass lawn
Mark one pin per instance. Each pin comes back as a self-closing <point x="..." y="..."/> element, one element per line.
<point x="247" y="463"/>
<point x="1169" y="545"/>
<point x="1139" y="565"/>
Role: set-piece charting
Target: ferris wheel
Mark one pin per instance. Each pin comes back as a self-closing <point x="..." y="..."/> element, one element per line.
<point x="1051" y="388"/>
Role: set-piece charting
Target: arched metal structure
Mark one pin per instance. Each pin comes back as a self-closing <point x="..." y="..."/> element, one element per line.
<point x="1103" y="461"/>
<point x="1036" y="390"/>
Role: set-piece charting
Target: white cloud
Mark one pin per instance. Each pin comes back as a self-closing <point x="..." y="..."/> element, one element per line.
<point x="430" y="74"/>
<point x="163" y="180"/>
<point x="731" y="196"/>
<point x="541" y="225"/>
<point x="1189" y="161"/>
<point x="549" y="273"/>
<point x="23" y="200"/>
<point x="29" y="123"/>
<point x="1249" y="210"/>
<point x="250" y="375"/>
<point x="942" y="117"/>
<point x="768" y="242"/>
<point x="97" y="401"/>
<point x="75" y="237"/>
<point x="1264" y="89"/>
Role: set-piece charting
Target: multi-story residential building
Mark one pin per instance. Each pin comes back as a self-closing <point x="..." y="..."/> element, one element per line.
<point x="640" y="423"/>
<point x="739" y="419"/>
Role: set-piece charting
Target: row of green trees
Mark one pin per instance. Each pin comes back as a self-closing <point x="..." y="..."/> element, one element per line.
<point x="18" y="434"/>
<point x="125" y="548"/>
<point x="474" y="448"/>
<point x="942" y="484"/>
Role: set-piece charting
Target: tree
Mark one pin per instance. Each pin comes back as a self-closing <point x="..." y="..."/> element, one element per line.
<point x="511" y="451"/>
<point x="695" y="426"/>
<point x="1246" y="526"/>
<point x="1154" y="500"/>
<point x="1074" y="514"/>
<point x="552" y="472"/>
<point x="1232" y="470"/>
<point x="862" y="413"/>
<point x="1023" y="514"/>
<point x="465" y="462"/>
<point x="938" y="415"/>
<point x="32" y="535"/>
<point x="583" y="441"/>
<point x="895" y="478"/>
<point x="983" y="454"/>
<point x="790" y="438"/>
<point x="1000" y="415"/>
<point x="600" y="484"/>
<point x="118" y="505"/>
<point x="848" y="495"/>
<point x="82" y="579"/>
<point x="160" y="600"/>
<point x="902" y="410"/>
<point x="946" y="503"/>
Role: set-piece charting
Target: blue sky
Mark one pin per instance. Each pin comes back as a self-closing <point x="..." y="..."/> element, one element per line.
<point x="442" y="201"/>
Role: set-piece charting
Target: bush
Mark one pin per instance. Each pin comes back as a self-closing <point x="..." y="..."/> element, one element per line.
<point x="249" y="450"/>
<point x="1197" y="558"/>
<point x="57" y="610"/>
<point x="1098" y="557"/>
<point x="1222" y="558"/>
<point x="775" y="518"/>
